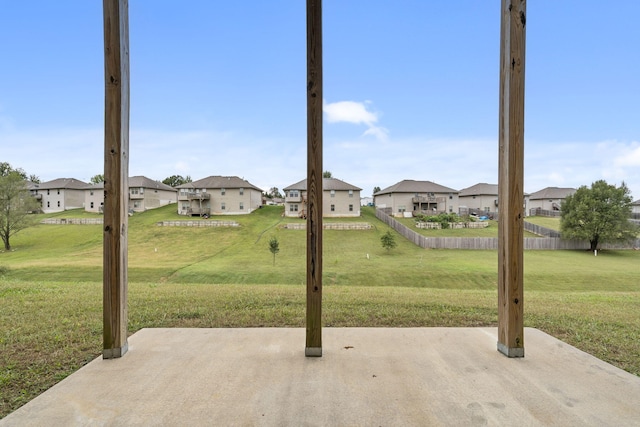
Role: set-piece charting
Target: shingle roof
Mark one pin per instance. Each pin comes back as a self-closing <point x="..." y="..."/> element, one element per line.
<point x="411" y="186"/>
<point x="143" y="181"/>
<point x="327" y="184"/>
<point x="220" y="182"/>
<point x="552" y="193"/>
<point x="66" y="183"/>
<point x="637" y="202"/>
<point x="479" y="190"/>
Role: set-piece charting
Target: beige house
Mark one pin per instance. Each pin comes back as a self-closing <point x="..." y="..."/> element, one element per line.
<point x="550" y="198"/>
<point x="409" y="197"/>
<point x="144" y="193"/>
<point x="339" y="199"/>
<point x="218" y="195"/>
<point x="483" y="198"/>
<point x="59" y="194"/>
<point x="635" y="207"/>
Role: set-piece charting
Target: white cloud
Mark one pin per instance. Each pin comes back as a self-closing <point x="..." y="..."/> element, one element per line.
<point x="356" y="113"/>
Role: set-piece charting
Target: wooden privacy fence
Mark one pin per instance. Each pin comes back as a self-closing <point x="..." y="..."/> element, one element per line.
<point x="74" y="221"/>
<point x="530" y="243"/>
<point x="540" y="230"/>
<point x="203" y="223"/>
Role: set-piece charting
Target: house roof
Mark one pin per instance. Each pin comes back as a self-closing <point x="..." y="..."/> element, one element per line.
<point x="411" y="186"/>
<point x="327" y="184"/>
<point x="552" y="193"/>
<point x="63" y="183"/>
<point x="143" y="181"/>
<point x="480" y="189"/>
<point x="220" y="182"/>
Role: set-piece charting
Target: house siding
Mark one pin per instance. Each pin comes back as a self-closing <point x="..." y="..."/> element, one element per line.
<point x="344" y="198"/>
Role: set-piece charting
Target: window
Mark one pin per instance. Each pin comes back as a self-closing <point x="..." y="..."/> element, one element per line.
<point x="350" y="193"/>
<point x="58" y="203"/>
<point x="350" y="208"/>
<point x="474" y="197"/>
<point x="90" y="193"/>
<point x="451" y="196"/>
<point x="333" y="208"/>
<point x="91" y="205"/>
<point x="241" y="206"/>
<point x="333" y="193"/>
<point x="59" y="193"/>
<point x="222" y="206"/>
<point x="222" y="191"/>
<point x="48" y="204"/>
<point x="47" y="192"/>
<point x="293" y="208"/>
<point x="136" y="204"/>
<point x="450" y="209"/>
<point x="241" y="192"/>
<point x="401" y="209"/>
<point x="185" y="206"/>
<point x="294" y="193"/>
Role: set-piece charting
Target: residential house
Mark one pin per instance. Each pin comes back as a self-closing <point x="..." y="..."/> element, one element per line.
<point x="59" y="194"/>
<point x="339" y="199"/>
<point x="549" y="199"/>
<point x="144" y="193"/>
<point x="218" y="195"/>
<point x="482" y="198"/>
<point x="635" y="207"/>
<point x="409" y="197"/>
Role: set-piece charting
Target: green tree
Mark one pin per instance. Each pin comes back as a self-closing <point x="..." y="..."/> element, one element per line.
<point x="175" y="180"/>
<point x="274" y="192"/>
<point x="274" y="247"/>
<point x="327" y="174"/>
<point x="97" y="179"/>
<point x="388" y="240"/>
<point x="599" y="214"/>
<point x="376" y="190"/>
<point x="6" y="169"/>
<point x="15" y="205"/>
<point x="34" y="178"/>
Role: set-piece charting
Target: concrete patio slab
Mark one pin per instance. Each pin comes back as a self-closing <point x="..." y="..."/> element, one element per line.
<point x="366" y="377"/>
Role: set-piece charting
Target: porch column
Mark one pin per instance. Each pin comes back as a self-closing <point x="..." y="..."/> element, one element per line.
<point x="511" y="179"/>
<point x="314" y="178"/>
<point x="116" y="170"/>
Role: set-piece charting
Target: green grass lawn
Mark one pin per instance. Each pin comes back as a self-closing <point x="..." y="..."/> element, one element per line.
<point x="51" y="290"/>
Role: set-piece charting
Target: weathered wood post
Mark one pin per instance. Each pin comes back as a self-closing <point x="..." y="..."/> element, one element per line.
<point x="314" y="178"/>
<point x="511" y="179"/>
<point x="116" y="169"/>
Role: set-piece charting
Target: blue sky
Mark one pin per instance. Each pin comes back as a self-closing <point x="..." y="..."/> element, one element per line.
<point x="410" y="90"/>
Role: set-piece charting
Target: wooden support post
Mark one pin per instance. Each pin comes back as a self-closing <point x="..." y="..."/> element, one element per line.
<point x="116" y="170"/>
<point x="314" y="178"/>
<point x="511" y="179"/>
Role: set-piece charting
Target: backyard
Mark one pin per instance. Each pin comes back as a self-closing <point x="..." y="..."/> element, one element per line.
<point x="51" y="289"/>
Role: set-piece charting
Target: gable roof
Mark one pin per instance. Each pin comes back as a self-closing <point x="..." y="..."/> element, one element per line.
<point x="220" y="182"/>
<point x="327" y="184"/>
<point x="480" y="189"/>
<point x="637" y="202"/>
<point x="411" y="186"/>
<point x="552" y="193"/>
<point x="62" y="183"/>
<point x="143" y="181"/>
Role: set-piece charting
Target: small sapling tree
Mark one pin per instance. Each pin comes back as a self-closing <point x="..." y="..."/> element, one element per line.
<point x="388" y="241"/>
<point x="274" y="247"/>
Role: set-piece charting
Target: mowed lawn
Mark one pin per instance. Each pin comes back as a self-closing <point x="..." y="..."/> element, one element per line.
<point x="51" y="290"/>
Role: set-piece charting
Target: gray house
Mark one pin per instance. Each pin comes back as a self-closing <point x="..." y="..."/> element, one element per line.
<point x="144" y="193"/>
<point x="59" y="194"/>
<point x="339" y="199"/>
<point x="218" y="195"/>
<point x="550" y="198"/>
<point x="483" y="197"/>
<point x="409" y="197"/>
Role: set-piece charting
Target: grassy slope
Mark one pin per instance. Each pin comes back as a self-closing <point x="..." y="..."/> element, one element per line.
<point x="50" y="323"/>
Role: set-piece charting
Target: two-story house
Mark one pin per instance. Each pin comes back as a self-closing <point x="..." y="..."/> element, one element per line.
<point x="550" y="198"/>
<point x="409" y="197"/>
<point x="218" y="195"/>
<point x="59" y="194"/>
<point x="144" y="193"/>
<point x="339" y="199"/>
